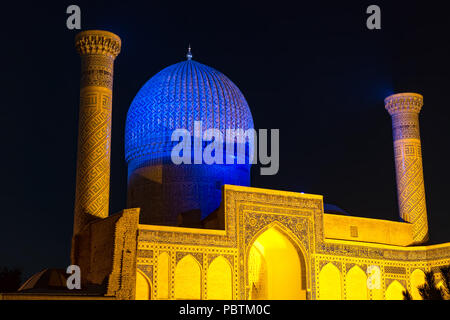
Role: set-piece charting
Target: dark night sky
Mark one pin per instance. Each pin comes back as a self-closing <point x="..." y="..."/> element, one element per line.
<point x="312" y="70"/>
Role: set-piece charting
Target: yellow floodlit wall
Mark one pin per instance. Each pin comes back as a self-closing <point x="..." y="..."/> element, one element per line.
<point x="270" y="244"/>
<point x="163" y="276"/>
<point x="257" y="274"/>
<point x="367" y="230"/>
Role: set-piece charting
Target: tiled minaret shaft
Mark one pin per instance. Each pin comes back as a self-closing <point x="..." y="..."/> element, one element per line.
<point x="97" y="49"/>
<point x="404" y="109"/>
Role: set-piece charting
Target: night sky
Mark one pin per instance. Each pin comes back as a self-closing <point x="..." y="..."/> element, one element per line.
<point x="314" y="71"/>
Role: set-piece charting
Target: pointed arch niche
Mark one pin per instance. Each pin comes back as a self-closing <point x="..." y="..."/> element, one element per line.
<point x="395" y="291"/>
<point x="188" y="279"/>
<point x="219" y="280"/>
<point x="330" y="287"/>
<point x="143" y="286"/>
<point x="356" y="284"/>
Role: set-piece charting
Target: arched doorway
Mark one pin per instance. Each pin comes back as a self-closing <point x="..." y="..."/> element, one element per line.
<point x="276" y="267"/>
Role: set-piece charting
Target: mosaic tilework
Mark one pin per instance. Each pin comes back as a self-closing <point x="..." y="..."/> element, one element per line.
<point x="98" y="50"/>
<point x="404" y="109"/>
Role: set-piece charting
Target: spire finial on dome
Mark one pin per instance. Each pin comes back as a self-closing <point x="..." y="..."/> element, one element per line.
<point x="189" y="53"/>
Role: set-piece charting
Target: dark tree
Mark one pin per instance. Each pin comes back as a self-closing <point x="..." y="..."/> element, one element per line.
<point x="407" y="295"/>
<point x="10" y="279"/>
<point x="429" y="290"/>
<point x="445" y="272"/>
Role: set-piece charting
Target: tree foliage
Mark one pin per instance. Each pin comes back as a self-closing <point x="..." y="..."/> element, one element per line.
<point x="430" y="289"/>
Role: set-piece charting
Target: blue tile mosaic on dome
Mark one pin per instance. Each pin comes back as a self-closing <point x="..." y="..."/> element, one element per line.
<point x="176" y="97"/>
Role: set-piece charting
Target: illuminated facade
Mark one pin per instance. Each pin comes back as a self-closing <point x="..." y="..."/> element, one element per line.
<point x="258" y="243"/>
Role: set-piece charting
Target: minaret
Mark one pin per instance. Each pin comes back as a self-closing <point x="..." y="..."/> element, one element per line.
<point x="404" y="109"/>
<point x="97" y="49"/>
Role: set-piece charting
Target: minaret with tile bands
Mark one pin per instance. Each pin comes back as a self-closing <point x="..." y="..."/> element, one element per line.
<point x="97" y="49"/>
<point x="404" y="109"/>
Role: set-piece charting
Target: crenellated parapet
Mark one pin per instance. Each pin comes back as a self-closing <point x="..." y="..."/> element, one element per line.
<point x="98" y="42"/>
<point x="404" y="102"/>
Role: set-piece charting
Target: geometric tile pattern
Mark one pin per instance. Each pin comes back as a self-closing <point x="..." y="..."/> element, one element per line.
<point x="175" y="98"/>
<point x="404" y="109"/>
<point x="98" y="50"/>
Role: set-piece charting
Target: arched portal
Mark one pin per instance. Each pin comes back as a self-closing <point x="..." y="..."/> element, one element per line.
<point x="276" y="267"/>
<point x="143" y="286"/>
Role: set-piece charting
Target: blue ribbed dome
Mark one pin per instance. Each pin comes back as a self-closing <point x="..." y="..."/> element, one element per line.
<point x="173" y="99"/>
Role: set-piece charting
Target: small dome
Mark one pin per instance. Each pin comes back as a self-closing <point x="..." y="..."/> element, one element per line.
<point x="334" y="209"/>
<point x="176" y="97"/>
<point x="55" y="281"/>
<point x="46" y="279"/>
